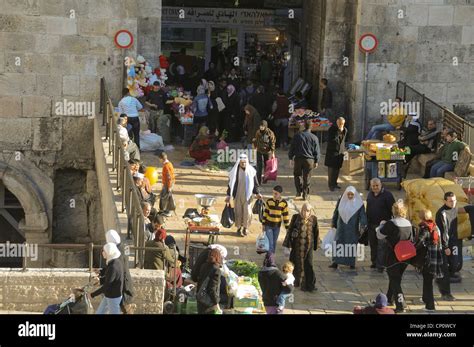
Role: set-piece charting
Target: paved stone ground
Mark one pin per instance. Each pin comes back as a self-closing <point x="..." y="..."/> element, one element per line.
<point x="338" y="290"/>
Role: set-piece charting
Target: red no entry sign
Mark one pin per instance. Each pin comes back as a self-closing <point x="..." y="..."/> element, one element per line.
<point x="123" y="39"/>
<point x="368" y="43"/>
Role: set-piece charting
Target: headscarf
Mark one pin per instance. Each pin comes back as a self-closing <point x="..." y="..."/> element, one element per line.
<point x="306" y="207"/>
<point x="230" y="90"/>
<point x="113" y="237"/>
<point x="269" y="260"/>
<point x="160" y="234"/>
<point x="211" y="86"/>
<point x="249" y="176"/>
<point x="201" y="90"/>
<point x="347" y="208"/>
<point x="111" y="251"/>
<point x="222" y="250"/>
<point x="381" y="301"/>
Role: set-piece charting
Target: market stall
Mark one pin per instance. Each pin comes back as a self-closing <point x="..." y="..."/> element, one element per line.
<point x="383" y="160"/>
<point x="300" y="115"/>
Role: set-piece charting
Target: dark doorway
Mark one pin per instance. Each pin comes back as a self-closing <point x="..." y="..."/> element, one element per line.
<point x="11" y="213"/>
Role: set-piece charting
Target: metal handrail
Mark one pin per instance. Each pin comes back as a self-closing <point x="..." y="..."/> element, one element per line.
<point x="463" y="128"/>
<point x="86" y="246"/>
<point x="131" y="203"/>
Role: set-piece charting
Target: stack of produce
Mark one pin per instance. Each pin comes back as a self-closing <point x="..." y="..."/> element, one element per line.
<point x="300" y="115"/>
<point x="429" y="194"/>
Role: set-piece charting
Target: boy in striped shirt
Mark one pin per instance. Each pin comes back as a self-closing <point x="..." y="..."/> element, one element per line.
<point x="276" y="213"/>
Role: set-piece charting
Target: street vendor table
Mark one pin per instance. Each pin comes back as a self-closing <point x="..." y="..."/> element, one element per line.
<point x="372" y="167"/>
<point x="293" y="129"/>
<point x="213" y="233"/>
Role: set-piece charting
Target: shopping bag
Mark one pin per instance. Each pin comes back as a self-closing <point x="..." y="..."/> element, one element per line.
<point x="364" y="237"/>
<point x="228" y="216"/>
<point x="263" y="243"/>
<point x="329" y="238"/>
<point x="258" y="209"/>
<point x="271" y="169"/>
<point x="167" y="202"/>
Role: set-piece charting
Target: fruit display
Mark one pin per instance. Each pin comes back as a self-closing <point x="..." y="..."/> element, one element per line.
<point x="300" y="115"/>
<point x="428" y="194"/>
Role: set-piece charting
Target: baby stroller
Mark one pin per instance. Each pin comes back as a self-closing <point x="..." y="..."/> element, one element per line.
<point x="79" y="302"/>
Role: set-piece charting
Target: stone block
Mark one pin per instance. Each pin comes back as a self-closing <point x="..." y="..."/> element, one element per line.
<point x="15" y="134"/>
<point x="467" y="35"/>
<point x="2" y="62"/>
<point x="10" y="23"/>
<point x="464" y="15"/>
<point x="37" y="63"/>
<point x="47" y="43"/>
<point x="100" y="45"/>
<point x="90" y="87"/>
<point x="16" y="42"/>
<point x="442" y="34"/>
<point x="71" y="85"/>
<point x="447" y="73"/>
<point x="93" y="27"/>
<point x="22" y="7"/>
<point x="74" y="45"/>
<point x="441" y="15"/>
<point x="49" y="85"/>
<point x="36" y="106"/>
<point x="47" y="134"/>
<point x="417" y="15"/>
<point x="460" y="92"/>
<point x="53" y="8"/>
<point x="62" y="26"/>
<point x="15" y="62"/>
<point x="10" y="106"/>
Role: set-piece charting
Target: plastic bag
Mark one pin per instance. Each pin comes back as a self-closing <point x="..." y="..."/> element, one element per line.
<point x="263" y="243"/>
<point x="228" y="216"/>
<point x="150" y="142"/>
<point x="286" y="251"/>
<point x="329" y="238"/>
<point x="271" y="170"/>
<point x="167" y="202"/>
<point x="258" y="208"/>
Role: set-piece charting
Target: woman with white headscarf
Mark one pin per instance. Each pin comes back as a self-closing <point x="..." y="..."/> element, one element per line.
<point x="242" y="185"/>
<point x="348" y="218"/>
<point x="112" y="288"/>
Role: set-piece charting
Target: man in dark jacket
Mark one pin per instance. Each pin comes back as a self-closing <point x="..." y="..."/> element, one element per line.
<point x="261" y="102"/>
<point x="447" y="222"/>
<point x="264" y="142"/>
<point x="304" y="155"/>
<point x="326" y="99"/>
<point x="271" y="281"/>
<point x="335" y="152"/>
<point x="379" y="208"/>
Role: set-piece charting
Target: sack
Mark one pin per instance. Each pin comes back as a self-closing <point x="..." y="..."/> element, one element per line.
<point x="271" y="170"/>
<point x="167" y="202"/>
<point x="202" y="296"/>
<point x="364" y="237"/>
<point x="228" y="217"/>
<point x="263" y="243"/>
<point x="329" y="239"/>
<point x="258" y="209"/>
<point x="404" y="250"/>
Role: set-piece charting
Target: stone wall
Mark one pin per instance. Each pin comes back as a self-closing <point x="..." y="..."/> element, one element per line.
<point x="51" y="51"/>
<point x="428" y="44"/>
<point x="35" y="289"/>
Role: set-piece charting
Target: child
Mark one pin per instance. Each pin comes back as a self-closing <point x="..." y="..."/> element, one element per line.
<point x="276" y="213"/>
<point x="288" y="284"/>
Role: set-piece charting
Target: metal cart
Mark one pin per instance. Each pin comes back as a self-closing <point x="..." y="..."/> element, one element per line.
<point x="372" y="171"/>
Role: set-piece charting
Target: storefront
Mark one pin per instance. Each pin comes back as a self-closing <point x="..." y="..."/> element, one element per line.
<point x="219" y="35"/>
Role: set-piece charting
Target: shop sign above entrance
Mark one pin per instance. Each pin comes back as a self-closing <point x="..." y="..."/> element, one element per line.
<point x="248" y="17"/>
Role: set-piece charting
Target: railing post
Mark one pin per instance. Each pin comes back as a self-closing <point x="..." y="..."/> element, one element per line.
<point x="91" y="256"/>
<point x="423" y="109"/>
<point x="25" y="259"/>
<point x="404" y="91"/>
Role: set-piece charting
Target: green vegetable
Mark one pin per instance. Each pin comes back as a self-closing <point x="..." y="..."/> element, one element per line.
<point x="248" y="269"/>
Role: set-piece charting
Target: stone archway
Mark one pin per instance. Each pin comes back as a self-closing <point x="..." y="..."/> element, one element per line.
<point x="36" y="224"/>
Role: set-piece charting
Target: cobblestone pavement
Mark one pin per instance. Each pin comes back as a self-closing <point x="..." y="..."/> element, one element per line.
<point x="338" y="290"/>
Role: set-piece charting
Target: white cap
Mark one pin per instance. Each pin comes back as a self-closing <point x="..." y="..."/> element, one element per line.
<point x="139" y="175"/>
<point x="113" y="236"/>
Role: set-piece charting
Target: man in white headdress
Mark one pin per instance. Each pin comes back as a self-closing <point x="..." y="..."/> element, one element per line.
<point x="348" y="218"/>
<point x="242" y="185"/>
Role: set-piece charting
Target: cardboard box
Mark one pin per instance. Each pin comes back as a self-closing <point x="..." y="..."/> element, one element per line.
<point x="353" y="164"/>
<point x="383" y="153"/>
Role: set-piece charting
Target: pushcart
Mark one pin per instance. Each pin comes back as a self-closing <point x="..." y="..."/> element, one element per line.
<point x="372" y="166"/>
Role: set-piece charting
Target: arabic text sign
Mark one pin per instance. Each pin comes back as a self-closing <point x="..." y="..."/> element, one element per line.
<point x="216" y="16"/>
